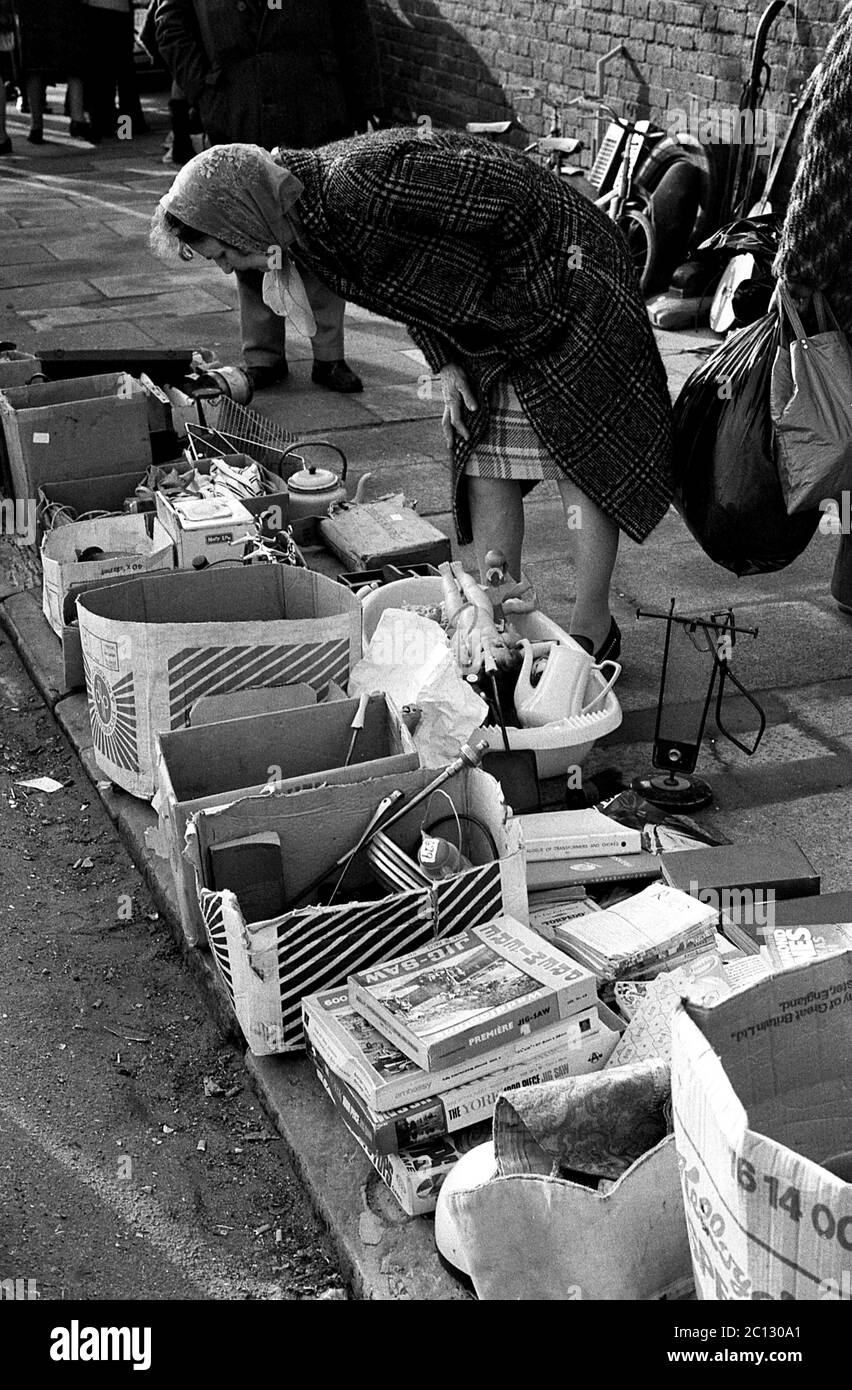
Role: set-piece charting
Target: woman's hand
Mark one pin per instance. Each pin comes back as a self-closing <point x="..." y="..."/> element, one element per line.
<point x="457" y="392"/>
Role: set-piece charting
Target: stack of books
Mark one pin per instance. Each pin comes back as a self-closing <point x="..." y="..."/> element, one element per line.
<point x="416" y="1051"/>
<point x="654" y="930"/>
<point x="567" y="848"/>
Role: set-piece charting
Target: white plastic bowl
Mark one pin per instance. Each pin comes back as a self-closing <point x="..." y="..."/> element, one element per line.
<point x="559" y="746"/>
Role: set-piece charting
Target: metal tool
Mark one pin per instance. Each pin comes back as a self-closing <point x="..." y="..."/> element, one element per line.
<point x="470" y="755"/>
<point x="357" y="725"/>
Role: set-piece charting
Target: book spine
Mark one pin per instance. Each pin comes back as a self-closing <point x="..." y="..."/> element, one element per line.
<point x="419" y="1086"/>
<point x="387" y="1133"/>
<point x="417" y="1198"/>
<point x="574" y="847"/>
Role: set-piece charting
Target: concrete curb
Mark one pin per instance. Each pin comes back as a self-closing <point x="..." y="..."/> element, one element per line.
<point x="383" y="1254"/>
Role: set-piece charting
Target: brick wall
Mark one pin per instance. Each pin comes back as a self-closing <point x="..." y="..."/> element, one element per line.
<point x="461" y="60"/>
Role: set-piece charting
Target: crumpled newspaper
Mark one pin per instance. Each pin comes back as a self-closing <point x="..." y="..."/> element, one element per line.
<point x="409" y="659"/>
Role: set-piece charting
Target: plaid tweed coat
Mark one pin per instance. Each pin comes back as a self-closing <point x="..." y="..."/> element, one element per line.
<point x="816" y="239"/>
<point x="496" y="264"/>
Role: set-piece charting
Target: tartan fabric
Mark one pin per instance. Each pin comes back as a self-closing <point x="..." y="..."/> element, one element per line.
<point x="495" y="263"/>
<point x="816" y="239"/>
<point x="511" y="449"/>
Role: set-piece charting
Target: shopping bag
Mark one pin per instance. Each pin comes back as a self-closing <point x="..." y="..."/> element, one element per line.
<point x="811" y="406"/>
<point x="727" y="487"/>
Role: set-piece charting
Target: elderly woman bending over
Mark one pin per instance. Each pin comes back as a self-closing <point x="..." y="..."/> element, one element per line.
<point x="518" y="291"/>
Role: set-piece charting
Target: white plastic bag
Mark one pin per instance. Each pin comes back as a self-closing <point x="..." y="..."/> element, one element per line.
<point x="409" y="659"/>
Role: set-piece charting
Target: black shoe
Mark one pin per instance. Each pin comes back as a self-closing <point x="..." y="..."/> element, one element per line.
<point x="81" y="130"/>
<point x="261" y="377"/>
<point x="610" y="647"/>
<point x="6" y="146"/>
<point x="36" y="136"/>
<point x="336" y="376"/>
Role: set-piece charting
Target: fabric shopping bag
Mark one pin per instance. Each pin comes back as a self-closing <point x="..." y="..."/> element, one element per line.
<point x="811" y="407"/>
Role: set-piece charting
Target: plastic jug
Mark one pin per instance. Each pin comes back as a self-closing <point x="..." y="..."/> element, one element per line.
<point x="561" y="689"/>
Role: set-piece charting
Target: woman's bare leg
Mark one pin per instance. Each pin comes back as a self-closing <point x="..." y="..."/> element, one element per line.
<point x="497" y="519"/>
<point x="76" y="108"/>
<point x="595" y="548"/>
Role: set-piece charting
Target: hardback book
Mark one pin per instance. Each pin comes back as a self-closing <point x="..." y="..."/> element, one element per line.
<point x="791" y="946"/>
<point x="654" y="930"/>
<point x="593" y="870"/>
<point x="414" y="1175"/>
<point x="575" y="835"/>
<point x="723" y="874"/>
<point x="385" y="1079"/>
<point x="391" y="1131"/>
<point x="470" y="993"/>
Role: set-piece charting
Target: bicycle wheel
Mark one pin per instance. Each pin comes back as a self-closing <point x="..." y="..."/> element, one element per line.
<point x="638" y="231"/>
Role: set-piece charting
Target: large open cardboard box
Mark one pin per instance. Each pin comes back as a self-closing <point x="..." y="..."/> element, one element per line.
<point x="210" y="764"/>
<point x="152" y="646"/>
<point x="762" y="1097"/>
<point x="58" y="430"/>
<point x="268" y="966"/>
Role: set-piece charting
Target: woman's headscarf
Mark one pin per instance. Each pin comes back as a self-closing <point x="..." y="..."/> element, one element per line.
<point x="238" y="194"/>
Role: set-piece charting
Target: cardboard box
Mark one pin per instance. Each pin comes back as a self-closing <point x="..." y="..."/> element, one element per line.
<point x="268" y="966"/>
<point x="153" y="645"/>
<point x="16" y="368"/>
<point x="203" y="766"/>
<point x="132" y="545"/>
<point x="761" y="1098"/>
<point x="205" y="527"/>
<point x="84" y="495"/>
<point x="57" y="430"/>
<point x="371" y="534"/>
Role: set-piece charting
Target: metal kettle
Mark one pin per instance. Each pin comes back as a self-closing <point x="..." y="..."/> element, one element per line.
<point x="313" y="489"/>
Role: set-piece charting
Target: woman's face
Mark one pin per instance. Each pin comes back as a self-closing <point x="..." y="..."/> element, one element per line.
<point x="228" y="258"/>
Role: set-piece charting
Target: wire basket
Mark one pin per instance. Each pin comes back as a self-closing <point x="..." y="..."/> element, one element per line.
<point x="232" y="428"/>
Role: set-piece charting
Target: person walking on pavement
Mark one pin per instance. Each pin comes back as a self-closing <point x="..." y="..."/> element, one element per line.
<point x="8" y="36"/>
<point x="52" y="47"/>
<point x="816" y="238"/>
<point x="518" y="291"/>
<point x="299" y="75"/>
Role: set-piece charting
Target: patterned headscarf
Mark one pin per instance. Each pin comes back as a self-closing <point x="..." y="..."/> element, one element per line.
<point x="238" y="194"/>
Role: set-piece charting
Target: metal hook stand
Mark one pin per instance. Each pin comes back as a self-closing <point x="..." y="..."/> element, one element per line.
<point x="676" y="750"/>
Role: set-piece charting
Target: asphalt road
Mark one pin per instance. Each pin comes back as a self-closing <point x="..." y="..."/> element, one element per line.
<point x="135" y="1161"/>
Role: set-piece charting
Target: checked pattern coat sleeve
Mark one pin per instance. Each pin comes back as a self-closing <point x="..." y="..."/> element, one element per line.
<point x="816" y="239"/>
<point x="498" y="265"/>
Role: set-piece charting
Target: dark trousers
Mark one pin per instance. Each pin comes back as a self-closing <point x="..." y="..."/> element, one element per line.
<point x="263" y="332"/>
<point x="111" y="68"/>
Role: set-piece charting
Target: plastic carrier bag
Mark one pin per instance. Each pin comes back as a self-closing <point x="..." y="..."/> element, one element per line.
<point x="811" y="403"/>
<point x="727" y="487"/>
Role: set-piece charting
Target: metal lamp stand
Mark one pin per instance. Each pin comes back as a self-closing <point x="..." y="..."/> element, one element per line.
<point x="676" y="745"/>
